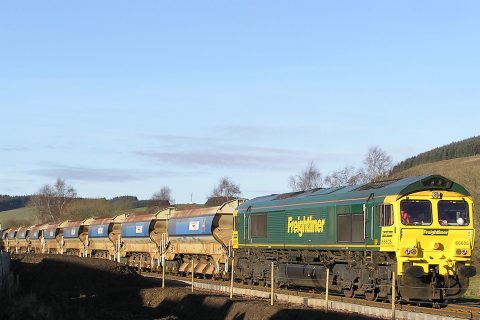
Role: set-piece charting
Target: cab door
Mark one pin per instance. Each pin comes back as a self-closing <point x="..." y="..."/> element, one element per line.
<point x="387" y="227"/>
<point x="375" y="229"/>
<point x="369" y="220"/>
<point x="247" y="238"/>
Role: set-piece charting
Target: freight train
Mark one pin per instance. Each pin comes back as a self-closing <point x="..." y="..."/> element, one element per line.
<point x="418" y="230"/>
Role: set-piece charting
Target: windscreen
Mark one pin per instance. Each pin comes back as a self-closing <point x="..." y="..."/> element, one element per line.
<point x="416" y="212"/>
<point x="453" y="213"/>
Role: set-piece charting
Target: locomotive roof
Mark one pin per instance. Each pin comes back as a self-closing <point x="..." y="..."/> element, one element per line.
<point x="400" y="187"/>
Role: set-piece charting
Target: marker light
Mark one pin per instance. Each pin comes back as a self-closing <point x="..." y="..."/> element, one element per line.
<point x="462" y="252"/>
<point x="437" y="245"/>
<point x="409" y="252"/>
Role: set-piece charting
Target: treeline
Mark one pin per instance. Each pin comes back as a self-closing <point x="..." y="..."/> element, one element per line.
<point x="16" y="202"/>
<point x="13" y="202"/>
<point x="465" y="148"/>
<point x="80" y="209"/>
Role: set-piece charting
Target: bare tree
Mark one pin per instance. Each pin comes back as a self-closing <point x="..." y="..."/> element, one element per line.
<point x="226" y="188"/>
<point x="165" y="194"/>
<point x="52" y="201"/>
<point x="162" y="198"/>
<point x="309" y="178"/>
<point x="377" y="164"/>
<point x="349" y="175"/>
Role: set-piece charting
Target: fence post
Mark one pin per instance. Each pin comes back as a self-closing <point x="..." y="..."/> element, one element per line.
<point x="327" y="282"/>
<point x="393" y="295"/>
<point x="231" y="279"/>
<point x="118" y="250"/>
<point x="271" y="285"/>
<point x="163" y="270"/>
<point x="193" y="268"/>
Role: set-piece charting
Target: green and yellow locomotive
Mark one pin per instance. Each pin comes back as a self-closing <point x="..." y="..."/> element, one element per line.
<point x="418" y="228"/>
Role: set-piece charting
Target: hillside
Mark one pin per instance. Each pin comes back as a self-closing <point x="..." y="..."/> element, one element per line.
<point x="459" y="149"/>
<point x="21" y="216"/>
<point x="465" y="171"/>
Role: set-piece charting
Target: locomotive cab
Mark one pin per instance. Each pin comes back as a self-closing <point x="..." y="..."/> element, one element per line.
<point x="432" y="233"/>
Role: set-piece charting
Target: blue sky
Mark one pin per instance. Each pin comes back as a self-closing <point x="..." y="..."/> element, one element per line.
<point x="123" y="97"/>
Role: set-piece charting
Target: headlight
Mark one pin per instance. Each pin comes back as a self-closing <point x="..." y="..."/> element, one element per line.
<point x="409" y="252"/>
<point x="462" y="252"/>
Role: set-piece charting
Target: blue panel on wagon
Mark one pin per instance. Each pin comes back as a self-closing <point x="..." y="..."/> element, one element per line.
<point x="98" y="231"/>
<point x="71" y="232"/>
<point x="138" y="229"/>
<point x="192" y="226"/>
<point x="49" y="234"/>
<point x="11" y="235"/>
<point x="33" y="235"/>
<point x="21" y="234"/>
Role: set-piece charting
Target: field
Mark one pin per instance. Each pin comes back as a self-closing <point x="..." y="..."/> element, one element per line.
<point x="21" y="214"/>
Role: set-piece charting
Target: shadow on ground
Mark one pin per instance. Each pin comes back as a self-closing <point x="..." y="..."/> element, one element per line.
<point x="65" y="287"/>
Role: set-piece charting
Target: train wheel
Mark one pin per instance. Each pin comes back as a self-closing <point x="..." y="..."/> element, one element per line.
<point x="371" y="295"/>
<point x="349" y="293"/>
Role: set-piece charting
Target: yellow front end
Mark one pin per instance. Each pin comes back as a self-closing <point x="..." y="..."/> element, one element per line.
<point x="434" y="247"/>
<point x="430" y="247"/>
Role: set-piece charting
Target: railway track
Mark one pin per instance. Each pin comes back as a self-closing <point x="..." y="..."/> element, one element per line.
<point x="403" y="310"/>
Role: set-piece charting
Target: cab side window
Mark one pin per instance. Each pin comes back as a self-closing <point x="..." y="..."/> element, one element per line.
<point x="258" y="225"/>
<point x="386" y="215"/>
